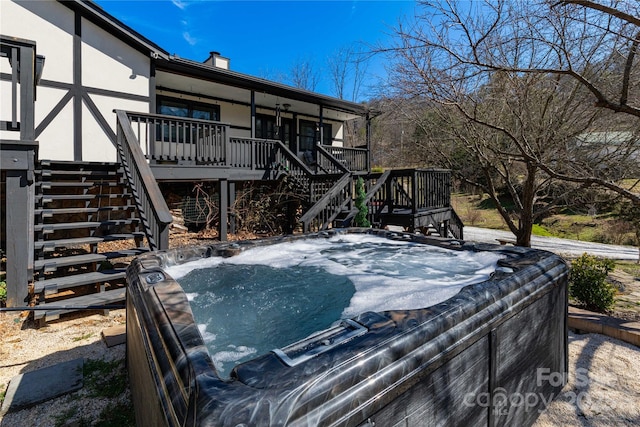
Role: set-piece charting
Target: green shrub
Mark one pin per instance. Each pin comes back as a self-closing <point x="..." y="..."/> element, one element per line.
<point x="361" y="217"/>
<point x="588" y="285"/>
<point x="3" y="293"/>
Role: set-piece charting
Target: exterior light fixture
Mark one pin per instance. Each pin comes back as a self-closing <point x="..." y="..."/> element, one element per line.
<point x="39" y="67"/>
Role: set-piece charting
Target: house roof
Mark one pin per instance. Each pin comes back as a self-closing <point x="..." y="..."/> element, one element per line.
<point x="245" y="81"/>
<point x="92" y="11"/>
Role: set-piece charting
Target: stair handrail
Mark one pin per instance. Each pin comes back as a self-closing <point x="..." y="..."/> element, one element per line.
<point x="374" y="211"/>
<point x="380" y="181"/>
<point x="321" y="205"/>
<point x="331" y="158"/>
<point x="149" y="201"/>
<point x="280" y="146"/>
<point x="456" y="225"/>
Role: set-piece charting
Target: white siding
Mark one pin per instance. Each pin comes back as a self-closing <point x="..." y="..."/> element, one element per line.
<point x="50" y="25"/>
<point x="56" y="141"/>
<point x="108" y="63"/>
<point x="238" y="115"/>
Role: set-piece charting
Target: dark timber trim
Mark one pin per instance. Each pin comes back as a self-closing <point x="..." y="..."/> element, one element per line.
<point x="152" y="87"/>
<point x="116" y="94"/>
<point x="54" y="113"/>
<point x="95" y="112"/>
<point x="77" y="87"/>
<point x="55" y="85"/>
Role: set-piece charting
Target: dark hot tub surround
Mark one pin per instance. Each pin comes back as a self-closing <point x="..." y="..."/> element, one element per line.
<point x="494" y="354"/>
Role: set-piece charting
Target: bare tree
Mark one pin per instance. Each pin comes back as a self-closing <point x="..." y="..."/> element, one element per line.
<point x="507" y="85"/>
<point x="303" y="75"/>
<point x="347" y="68"/>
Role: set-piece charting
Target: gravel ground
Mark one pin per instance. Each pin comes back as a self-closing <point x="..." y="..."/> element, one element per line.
<point x="24" y="349"/>
<point x="603" y="388"/>
<point x="573" y="248"/>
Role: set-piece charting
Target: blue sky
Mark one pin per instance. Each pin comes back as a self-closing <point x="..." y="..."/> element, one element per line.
<point x="266" y="38"/>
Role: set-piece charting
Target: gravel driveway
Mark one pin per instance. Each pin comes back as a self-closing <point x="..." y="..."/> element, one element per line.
<point x="553" y="244"/>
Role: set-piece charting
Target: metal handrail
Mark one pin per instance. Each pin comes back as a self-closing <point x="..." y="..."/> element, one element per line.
<point x="152" y="207"/>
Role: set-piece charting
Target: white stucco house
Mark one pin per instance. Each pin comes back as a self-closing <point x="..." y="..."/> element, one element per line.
<point x="98" y="118"/>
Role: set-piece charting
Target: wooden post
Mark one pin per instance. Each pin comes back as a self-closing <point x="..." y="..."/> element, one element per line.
<point x="253" y="114"/>
<point x="232" y="201"/>
<point x="224" y="214"/>
<point x="368" y="141"/>
<point x="17" y="159"/>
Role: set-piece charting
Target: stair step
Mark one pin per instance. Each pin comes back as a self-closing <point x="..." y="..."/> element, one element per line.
<point x="125" y="253"/>
<point x="61" y="243"/>
<point x="74" y="165"/>
<point x="50" y="228"/>
<point x="50" y="245"/>
<point x="97" y="299"/>
<point x="47" y="213"/>
<point x="57" y="284"/>
<point x="77" y="184"/>
<point x="52" y="264"/>
<point x="77" y="173"/>
<point x="47" y="198"/>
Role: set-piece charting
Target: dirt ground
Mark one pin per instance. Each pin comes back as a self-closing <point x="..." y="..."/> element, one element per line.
<point x="608" y="397"/>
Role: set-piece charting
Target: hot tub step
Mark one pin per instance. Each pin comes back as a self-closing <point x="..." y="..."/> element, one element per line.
<point x="51" y="245"/>
<point x="85" y="302"/>
<point x="55" y="285"/>
<point x="52" y="264"/>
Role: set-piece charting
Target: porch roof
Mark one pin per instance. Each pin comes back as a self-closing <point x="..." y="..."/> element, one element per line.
<point x="210" y="73"/>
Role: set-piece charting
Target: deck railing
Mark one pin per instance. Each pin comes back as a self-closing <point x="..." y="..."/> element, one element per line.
<point x="151" y="205"/>
<point x="250" y="153"/>
<point x="354" y="159"/>
<point x="169" y="139"/>
<point x="328" y="163"/>
<point x="409" y="190"/>
<point x="417" y="189"/>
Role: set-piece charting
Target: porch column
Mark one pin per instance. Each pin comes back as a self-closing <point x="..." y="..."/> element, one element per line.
<point x="224" y="211"/>
<point x="27" y="93"/>
<point x="17" y="158"/>
<point x="321" y="118"/>
<point x="253" y="114"/>
<point x="368" y="140"/>
<point x="232" y="200"/>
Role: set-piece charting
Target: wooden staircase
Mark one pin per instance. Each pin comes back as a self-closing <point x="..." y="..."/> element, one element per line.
<point x="79" y="208"/>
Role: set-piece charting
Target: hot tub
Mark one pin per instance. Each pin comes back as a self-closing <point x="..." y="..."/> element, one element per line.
<point x="494" y="353"/>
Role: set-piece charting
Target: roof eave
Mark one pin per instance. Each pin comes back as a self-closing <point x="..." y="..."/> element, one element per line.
<point x="245" y="81"/>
